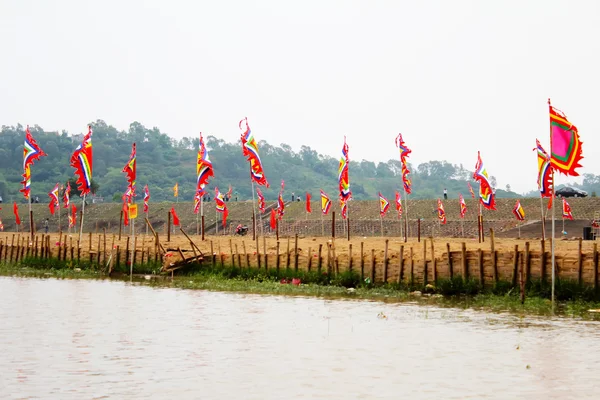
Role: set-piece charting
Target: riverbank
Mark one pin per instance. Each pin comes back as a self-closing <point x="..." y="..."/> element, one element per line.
<point x="573" y="302"/>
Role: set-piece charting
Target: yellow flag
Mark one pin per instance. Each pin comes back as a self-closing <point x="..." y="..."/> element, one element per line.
<point x="132" y="211"/>
<point x="176" y="190"/>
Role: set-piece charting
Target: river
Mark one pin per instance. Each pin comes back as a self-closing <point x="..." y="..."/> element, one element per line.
<point x="89" y="339"/>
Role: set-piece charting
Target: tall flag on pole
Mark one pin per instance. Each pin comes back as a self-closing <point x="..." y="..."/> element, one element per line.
<point x="204" y="167"/>
<point x="566" y="210"/>
<point x="221" y="206"/>
<point x="325" y="203"/>
<point x="471" y="190"/>
<point x="130" y="171"/>
<point x="565" y="146"/>
<point x="308" y="209"/>
<point x="146" y="198"/>
<point x="176" y="190"/>
<point x="250" y="151"/>
<point x="197" y="200"/>
<point x="82" y="161"/>
<point x="544" y="171"/>
<point x="261" y="201"/>
<point x="404" y="153"/>
<point x="463" y="206"/>
<point x="66" y="198"/>
<point x="384" y="205"/>
<point x="486" y="194"/>
<point x="125" y="209"/>
<point x="54" y="204"/>
<point x="31" y="153"/>
<point x="343" y="177"/>
<point x="16" y="212"/>
<point x="280" y="206"/>
<point x="441" y="212"/>
<point x="399" y="204"/>
<point x="518" y="211"/>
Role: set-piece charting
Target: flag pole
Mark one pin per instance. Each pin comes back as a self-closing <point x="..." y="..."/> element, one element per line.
<point x="553" y="216"/>
<point x="254" y="233"/>
<point x="543" y="218"/>
<point x="30" y="218"/>
<point x="216" y="221"/>
<point x="132" y="241"/>
<point x="322" y="224"/>
<point x="202" y="215"/>
<point x="406" y="232"/>
<point x="82" y="215"/>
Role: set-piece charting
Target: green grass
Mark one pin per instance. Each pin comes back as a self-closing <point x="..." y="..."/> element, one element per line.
<point x="572" y="299"/>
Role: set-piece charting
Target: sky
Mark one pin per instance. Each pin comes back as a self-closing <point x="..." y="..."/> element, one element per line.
<point x="454" y="77"/>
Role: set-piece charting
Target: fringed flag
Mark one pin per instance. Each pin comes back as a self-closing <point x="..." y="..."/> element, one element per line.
<point x="343" y="177"/>
<point x="16" y="212"/>
<point x="471" y="190"/>
<point x="273" y="221"/>
<point x="175" y="217"/>
<point x="399" y="204"/>
<point x="204" y="167"/>
<point x="441" y="212"/>
<point x="54" y="204"/>
<point x="565" y="145"/>
<point x="66" y="194"/>
<point x="404" y="153"/>
<point x="176" y="190"/>
<point x="486" y="194"/>
<point x="325" y="203"/>
<point x="146" y="198"/>
<point x="566" y="210"/>
<point x="82" y="161"/>
<point x="31" y="153"/>
<point x="261" y="201"/>
<point x="221" y="206"/>
<point x="130" y="170"/>
<point x="518" y="211"/>
<point x="308" y="209"/>
<point x="280" y="206"/>
<point x="384" y="205"/>
<point x="73" y="216"/>
<point x="344" y="209"/>
<point x="544" y="171"/>
<point x="198" y="200"/>
<point x="463" y="206"/>
<point x="250" y="151"/>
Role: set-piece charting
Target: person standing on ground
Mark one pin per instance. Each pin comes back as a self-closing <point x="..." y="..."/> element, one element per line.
<point x="445" y="194"/>
<point x="46" y="225"/>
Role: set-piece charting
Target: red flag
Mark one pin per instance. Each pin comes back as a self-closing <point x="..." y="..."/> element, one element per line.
<point x="308" y="210"/>
<point x="273" y="219"/>
<point x="16" y="211"/>
<point x="73" y="216"/>
<point x="175" y="217"/>
<point x="125" y="214"/>
<point x="225" y="214"/>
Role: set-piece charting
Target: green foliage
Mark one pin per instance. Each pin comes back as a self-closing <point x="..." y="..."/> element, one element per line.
<point x="162" y="161"/>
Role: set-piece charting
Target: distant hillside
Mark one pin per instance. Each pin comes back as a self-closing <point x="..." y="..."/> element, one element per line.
<point x="162" y="161"/>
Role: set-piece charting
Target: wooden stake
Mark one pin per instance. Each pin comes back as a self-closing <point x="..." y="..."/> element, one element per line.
<point x="278" y="261"/>
<point x="385" y="261"/>
<point x="543" y="261"/>
<point x="595" y="261"/>
<point x="362" y="263"/>
<point x="580" y="264"/>
<point x="401" y="266"/>
<point x="169" y="226"/>
<point x="493" y="255"/>
<point x="480" y="261"/>
<point x="309" y="263"/>
<point x="350" y="257"/>
<point x="450" y="269"/>
<point x="333" y="224"/>
<point x="527" y="264"/>
<point x="121" y="224"/>
<point x="287" y="254"/>
<point x="425" y="272"/>
<point x="296" y="252"/>
<point x="373" y="274"/>
<point x="465" y="262"/>
<point x="320" y="261"/>
<point x="212" y="253"/>
<point x="434" y="262"/>
<point x="412" y="266"/>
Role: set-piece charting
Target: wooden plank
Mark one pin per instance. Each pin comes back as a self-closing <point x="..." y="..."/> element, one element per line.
<point x="401" y="266"/>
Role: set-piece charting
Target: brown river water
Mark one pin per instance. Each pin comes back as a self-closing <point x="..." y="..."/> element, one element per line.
<point x="87" y="339"/>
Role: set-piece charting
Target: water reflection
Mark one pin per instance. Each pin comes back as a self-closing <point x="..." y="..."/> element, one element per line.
<point x="100" y="339"/>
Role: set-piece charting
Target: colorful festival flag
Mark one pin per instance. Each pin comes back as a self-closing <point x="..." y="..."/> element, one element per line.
<point x="384" y="205"/>
<point x="308" y="208"/>
<point x="66" y="195"/>
<point x="544" y="171"/>
<point x="176" y="190"/>
<point x="31" y="153"/>
<point x="566" y="212"/>
<point x="16" y="212"/>
<point x="221" y="206"/>
<point x="518" y="211"/>
<point x="250" y="151"/>
<point x="441" y="212"/>
<point x="399" y="204"/>
<point x="280" y="206"/>
<point x="404" y="150"/>
<point x="343" y="177"/>
<point x="146" y="198"/>
<point x="82" y="161"/>
<point x="127" y="196"/>
<point x="344" y="208"/>
<point x="198" y="200"/>
<point x="73" y="216"/>
<point x="486" y="194"/>
<point x="204" y="167"/>
<point x="404" y="153"/>
<point x="463" y="205"/>
<point x="261" y="201"/>
<point x="325" y="203"/>
<point x="54" y="204"/>
<point x="130" y="170"/>
<point x="565" y="145"/>
<point x="175" y="217"/>
<point x="471" y="190"/>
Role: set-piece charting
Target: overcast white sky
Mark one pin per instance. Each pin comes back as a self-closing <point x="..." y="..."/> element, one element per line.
<point x="453" y="76"/>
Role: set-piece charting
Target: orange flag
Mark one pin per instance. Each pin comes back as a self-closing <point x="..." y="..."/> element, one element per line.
<point x="16" y="211"/>
<point x="125" y="214"/>
<point x="273" y="219"/>
<point x="175" y="217"/>
<point x="308" y="210"/>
